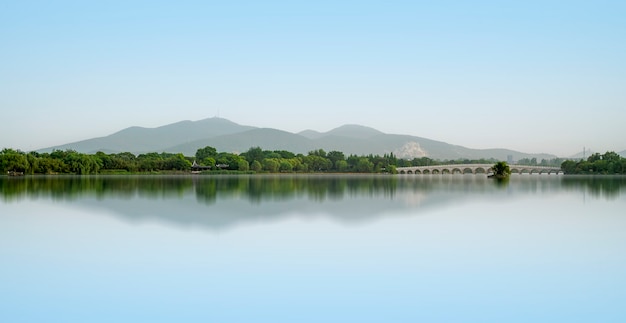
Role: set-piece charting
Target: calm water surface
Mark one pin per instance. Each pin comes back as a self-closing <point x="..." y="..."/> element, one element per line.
<point x="455" y="248"/>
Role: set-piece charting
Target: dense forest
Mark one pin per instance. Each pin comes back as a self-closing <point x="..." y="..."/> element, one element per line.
<point x="256" y="160"/>
<point x="607" y="163"/>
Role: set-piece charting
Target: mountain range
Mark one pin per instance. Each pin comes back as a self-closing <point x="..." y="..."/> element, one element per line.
<point x="227" y="136"/>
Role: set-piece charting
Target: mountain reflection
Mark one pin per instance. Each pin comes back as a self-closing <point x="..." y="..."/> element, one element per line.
<point x="256" y="189"/>
<point x="217" y="202"/>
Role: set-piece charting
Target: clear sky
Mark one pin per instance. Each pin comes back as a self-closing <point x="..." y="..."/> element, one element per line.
<point x="534" y="76"/>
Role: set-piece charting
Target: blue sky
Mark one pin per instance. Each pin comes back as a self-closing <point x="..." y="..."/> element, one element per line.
<point x="534" y="76"/>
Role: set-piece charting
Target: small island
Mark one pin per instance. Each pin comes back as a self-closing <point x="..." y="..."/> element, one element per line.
<point x="501" y="170"/>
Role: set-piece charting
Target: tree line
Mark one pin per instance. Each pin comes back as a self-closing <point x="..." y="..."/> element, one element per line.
<point x="255" y="160"/>
<point x="604" y="164"/>
<point x="72" y="162"/>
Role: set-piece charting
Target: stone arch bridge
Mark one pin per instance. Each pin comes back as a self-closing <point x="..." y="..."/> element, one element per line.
<point x="475" y="169"/>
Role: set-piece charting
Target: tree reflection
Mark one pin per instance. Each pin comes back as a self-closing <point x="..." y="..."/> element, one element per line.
<point x="276" y="187"/>
<point x="222" y="201"/>
<point x="259" y="188"/>
<point x="607" y="186"/>
<point x="206" y="188"/>
<point x="72" y="187"/>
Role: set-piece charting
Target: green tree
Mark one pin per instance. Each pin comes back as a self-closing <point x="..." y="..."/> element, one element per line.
<point x="284" y="154"/>
<point x="177" y="162"/>
<point x="611" y="156"/>
<point x="594" y="157"/>
<point x="318" y="163"/>
<point x="203" y="153"/>
<point x="256" y="166"/>
<point x="81" y="164"/>
<point x="341" y="166"/>
<point x="568" y="167"/>
<point x="271" y="165"/>
<point x="335" y="157"/>
<point x="318" y="152"/>
<point x="46" y="164"/>
<point x="151" y="161"/>
<point x="209" y="161"/>
<point x="607" y="163"/>
<point x="232" y="160"/>
<point x="254" y="154"/>
<point x="501" y="169"/>
<point x="105" y="160"/>
<point x="33" y="162"/>
<point x="364" y="165"/>
<point x="243" y="165"/>
<point x="285" y="166"/>
<point x="13" y="161"/>
<point x="125" y="160"/>
<point x="301" y="166"/>
<point x="352" y="160"/>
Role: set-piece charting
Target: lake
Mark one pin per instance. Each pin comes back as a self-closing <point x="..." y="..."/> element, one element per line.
<point x="313" y="248"/>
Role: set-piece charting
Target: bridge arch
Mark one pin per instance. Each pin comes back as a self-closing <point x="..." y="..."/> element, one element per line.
<point x="475" y="169"/>
<point x="480" y="170"/>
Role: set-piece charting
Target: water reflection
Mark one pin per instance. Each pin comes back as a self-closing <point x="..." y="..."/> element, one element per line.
<point x="259" y="188"/>
<point x="598" y="186"/>
<point x="255" y="189"/>
<point x="217" y="202"/>
<point x="281" y="188"/>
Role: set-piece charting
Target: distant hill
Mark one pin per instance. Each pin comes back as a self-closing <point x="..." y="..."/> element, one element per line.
<point x="311" y="134"/>
<point x="141" y="140"/>
<point x="349" y="130"/>
<point x="351" y="139"/>
<point x="266" y="138"/>
<point x="582" y="154"/>
<point x="354" y="131"/>
<point x="587" y="153"/>
<point x="187" y="136"/>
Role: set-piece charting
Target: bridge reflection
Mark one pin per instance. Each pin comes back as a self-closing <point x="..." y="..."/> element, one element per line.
<point x="476" y="169"/>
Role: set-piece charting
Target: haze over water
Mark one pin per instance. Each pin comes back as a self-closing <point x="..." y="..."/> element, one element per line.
<point x="312" y="248"/>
